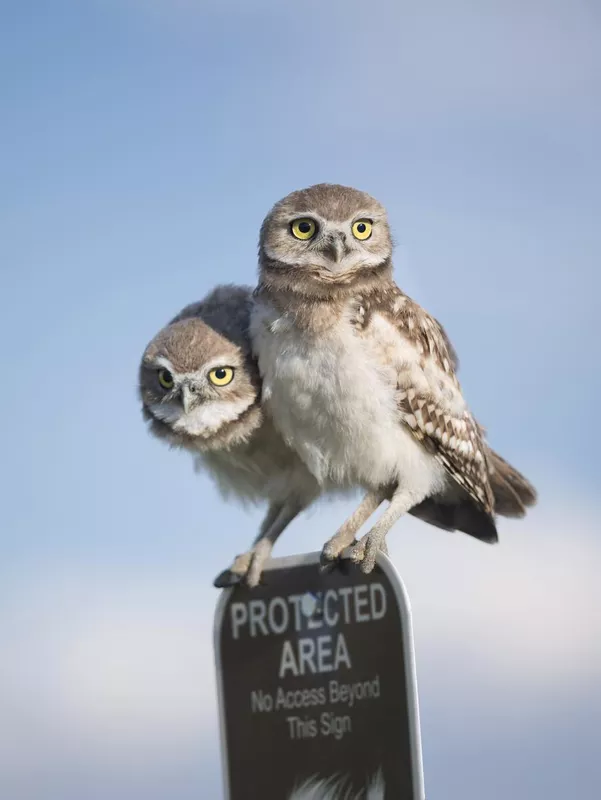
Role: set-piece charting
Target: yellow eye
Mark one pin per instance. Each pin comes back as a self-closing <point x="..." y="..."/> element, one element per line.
<point x="165" y="379"/>
<point x="221" y="376"/>
<point x="303" y="228"/>
<point x="362" y="229"/>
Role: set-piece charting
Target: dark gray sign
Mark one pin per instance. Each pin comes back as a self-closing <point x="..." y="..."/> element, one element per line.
<point x="317" y="687"/>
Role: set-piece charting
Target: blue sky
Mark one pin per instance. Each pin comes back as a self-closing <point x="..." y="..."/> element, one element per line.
<point x="142" y="143"/>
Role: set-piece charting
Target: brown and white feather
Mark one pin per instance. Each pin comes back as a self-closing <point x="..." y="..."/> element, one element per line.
<point x="431" y="403"/>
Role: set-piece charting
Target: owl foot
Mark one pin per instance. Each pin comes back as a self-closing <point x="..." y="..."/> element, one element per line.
<point x="345" y="536"/>
<point x="365" y="552"/>
<point x="234" y="574"/>
<point x="340" y="562"/>
<point x="226" y="579"/>
<point x="246" y="568"/>
<point x="331" y="555"/>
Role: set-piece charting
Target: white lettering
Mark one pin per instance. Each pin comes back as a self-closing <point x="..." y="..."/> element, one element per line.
<point x="296" y="600"/>
<point x="374" y="590"/>
<point x="324" y="654"/>
<point x="239" y="617"/>
<point x="345" y="592"/>
<point x="330" y="620"/>
<point x="361" y="601"/>
<point x="278" y="602"/>
<point x="288" y="662"/>
<point x="257" y="617"/>
<point x="306" y="655"/>
<point x="341" y="653"/>
<point x="296" y="613"/>
<point x="260" y="701"/>
<point x="314" y="622"/>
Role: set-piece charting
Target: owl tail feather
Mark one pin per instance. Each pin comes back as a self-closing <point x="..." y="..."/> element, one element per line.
<point x="464" y="516"/>
<point x="513" y="493"/>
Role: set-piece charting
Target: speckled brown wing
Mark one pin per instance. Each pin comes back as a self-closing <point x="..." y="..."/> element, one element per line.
<point x="429" y="395"/>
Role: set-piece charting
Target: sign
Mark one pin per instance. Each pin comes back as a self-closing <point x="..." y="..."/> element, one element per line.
<point x="317" y="687"/>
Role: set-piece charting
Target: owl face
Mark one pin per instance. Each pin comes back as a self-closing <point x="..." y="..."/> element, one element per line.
<point x="329" y="233"/>
<point x="197" y="384"/>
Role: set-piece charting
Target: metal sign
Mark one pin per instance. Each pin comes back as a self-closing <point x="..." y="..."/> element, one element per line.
<point x="317" y="687"/>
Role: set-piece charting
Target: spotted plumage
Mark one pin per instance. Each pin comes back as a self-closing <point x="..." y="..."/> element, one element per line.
<point x="454" y="439"/>
<point x="361" y="381"/>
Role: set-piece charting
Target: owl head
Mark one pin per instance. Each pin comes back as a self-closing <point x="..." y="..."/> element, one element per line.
<point x="323" y="237"/>
<point x="198" y="383"/>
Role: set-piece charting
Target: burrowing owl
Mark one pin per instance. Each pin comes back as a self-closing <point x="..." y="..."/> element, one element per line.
<point x="361" y="381"/>
<point x="200" y="390"/>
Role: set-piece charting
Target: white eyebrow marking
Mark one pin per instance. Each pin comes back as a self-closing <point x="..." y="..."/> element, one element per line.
<point x="161" y="361"/>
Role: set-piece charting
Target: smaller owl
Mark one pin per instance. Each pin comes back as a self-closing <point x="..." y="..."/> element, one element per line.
<point x="200" y="391"/>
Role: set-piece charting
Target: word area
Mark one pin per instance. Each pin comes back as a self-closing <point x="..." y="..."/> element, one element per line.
<point x="304" y="613"/>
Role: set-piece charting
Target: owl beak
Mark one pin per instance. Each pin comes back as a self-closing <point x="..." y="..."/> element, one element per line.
<point x="334" y="249"/>
<point x="189" y="398"/>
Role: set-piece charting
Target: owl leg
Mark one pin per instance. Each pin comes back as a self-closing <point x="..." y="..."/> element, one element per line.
<point x="345" y="535"/>
<point x="264" y="544"/>
<point x="249" y="565"/>
<point x="239" y="568"/>
<point x="366" y="549"/>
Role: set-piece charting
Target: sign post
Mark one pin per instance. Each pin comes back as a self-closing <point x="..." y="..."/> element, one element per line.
<point x="317" y="685"/>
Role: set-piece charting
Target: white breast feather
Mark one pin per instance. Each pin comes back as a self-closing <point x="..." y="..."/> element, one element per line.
<point x="333" y="398"/>
<point x="203" y="420"/>
<point x="240" y="475"/>
<point x="262" y="468"/>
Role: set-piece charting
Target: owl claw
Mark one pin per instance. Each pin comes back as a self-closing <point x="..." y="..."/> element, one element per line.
<point x="247" y="568"/>
<point x="234" y="575"/>
<point x="330" y="561"/>
<point x="334" y="550"/>
<point x="365" y="552"/>
<point x="369" y="562"/>
<point x="226" y="579"/>
<point x="357" y="553"/>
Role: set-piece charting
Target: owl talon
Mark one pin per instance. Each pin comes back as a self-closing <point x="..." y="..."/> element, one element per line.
<point x="226" y="579"/>
<point x="247" y="567"/>
<point x="327" y="555"/>
<point x="357" y="553"/>
<point x="235" y="574"/>
<point x="369" y="561"/>
<point x="334" y="549"/>
<point x="327" y="566"/>
<point x="330" y="561"/>
<point x="365" y="552"/>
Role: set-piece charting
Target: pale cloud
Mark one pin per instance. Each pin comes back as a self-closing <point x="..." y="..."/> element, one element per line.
<point x="110" y="670"/>
<point x="525" y="615"/>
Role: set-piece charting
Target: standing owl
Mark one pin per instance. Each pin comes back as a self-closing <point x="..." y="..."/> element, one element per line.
<point x="361" y="381"/>
<point x="200" y="390"/>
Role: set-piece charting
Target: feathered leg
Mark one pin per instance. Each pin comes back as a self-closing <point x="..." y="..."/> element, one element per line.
<point x="366" y="549"/>
<point x="249" y="565"/>
<point x="345" y="535"/>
